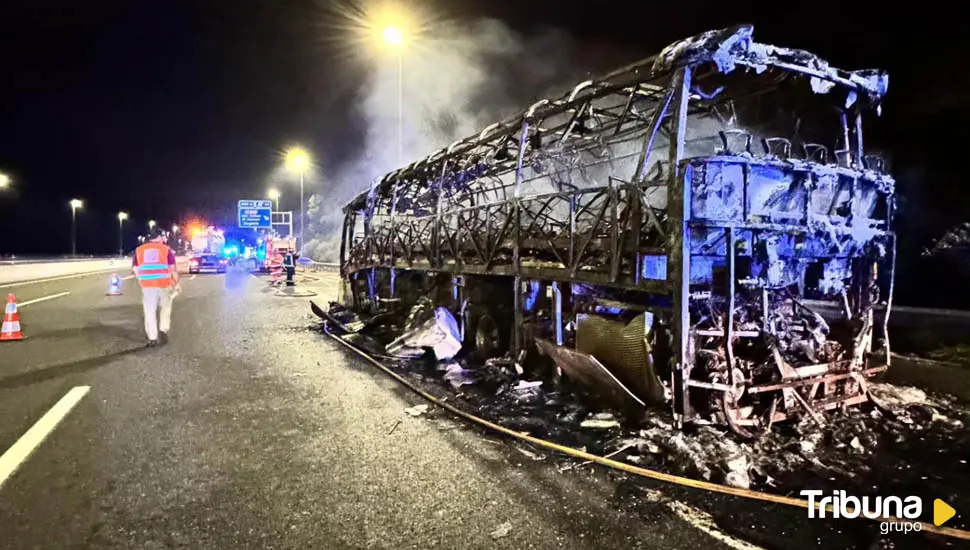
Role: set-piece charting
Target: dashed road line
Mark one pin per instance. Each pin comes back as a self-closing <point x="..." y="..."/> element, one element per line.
<point x="16" y="455"/>
<point x="43" y="299"/>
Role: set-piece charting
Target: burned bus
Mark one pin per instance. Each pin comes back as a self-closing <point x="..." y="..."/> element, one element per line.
<point x="678" y="231"/>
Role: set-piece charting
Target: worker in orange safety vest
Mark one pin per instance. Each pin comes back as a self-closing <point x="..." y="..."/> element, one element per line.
<point x="155" y="269"/>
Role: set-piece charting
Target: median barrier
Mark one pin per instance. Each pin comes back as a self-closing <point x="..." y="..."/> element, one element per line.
<point x="30" y="271"/>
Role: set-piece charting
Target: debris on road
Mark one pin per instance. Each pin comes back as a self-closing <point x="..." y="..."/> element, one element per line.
<point x="882" y="443"/>
<point x="529" y="453"/>
<point x="416" y="410"/>
<point x="457" y="376"/>
<point x="600" y="421"/>
<point x="502" y="530"/>
<point x="440" y="333"/>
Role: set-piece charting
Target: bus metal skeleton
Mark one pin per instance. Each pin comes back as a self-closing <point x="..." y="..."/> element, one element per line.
<point x="656" y="247"/>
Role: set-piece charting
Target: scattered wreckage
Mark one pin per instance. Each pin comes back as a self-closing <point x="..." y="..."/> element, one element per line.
<point x="648" y="236"/>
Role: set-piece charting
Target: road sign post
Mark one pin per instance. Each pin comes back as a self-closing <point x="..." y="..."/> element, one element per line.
<point x="255" y="214"/>
<point x="285" y="219"/>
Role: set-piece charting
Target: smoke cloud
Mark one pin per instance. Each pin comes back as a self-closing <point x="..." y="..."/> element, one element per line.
<point x="465" y="77"/>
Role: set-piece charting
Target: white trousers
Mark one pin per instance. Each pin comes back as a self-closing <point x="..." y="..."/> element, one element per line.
<point x="157" y="303"/>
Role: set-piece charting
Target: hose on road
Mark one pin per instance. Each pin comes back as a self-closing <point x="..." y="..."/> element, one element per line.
<point x="622" y="466"/>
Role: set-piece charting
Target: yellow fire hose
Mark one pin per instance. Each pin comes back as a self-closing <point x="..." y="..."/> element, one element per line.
<point x="629" y="468"/>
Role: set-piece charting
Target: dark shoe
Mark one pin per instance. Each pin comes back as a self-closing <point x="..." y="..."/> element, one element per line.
<point x="163" y="337"/>
<point x="152" y="343"/>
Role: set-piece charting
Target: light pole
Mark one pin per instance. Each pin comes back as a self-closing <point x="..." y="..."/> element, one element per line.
<point x="275" y="195"/>
<point x="122" y="216"/>
<point x="394" y="37"/>
<point x="75" y="204"/>
<point x="298" y="160"/>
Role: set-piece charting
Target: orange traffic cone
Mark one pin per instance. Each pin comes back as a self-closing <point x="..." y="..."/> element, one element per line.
<point x="114" y="285"/>
<point x="11" y="321"/>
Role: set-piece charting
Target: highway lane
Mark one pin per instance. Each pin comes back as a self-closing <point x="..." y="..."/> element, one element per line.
<point x="250" y="431"/>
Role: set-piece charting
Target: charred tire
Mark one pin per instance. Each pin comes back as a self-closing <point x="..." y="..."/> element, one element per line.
<point x="735" y="420"/>
<point x="485" y="336"/>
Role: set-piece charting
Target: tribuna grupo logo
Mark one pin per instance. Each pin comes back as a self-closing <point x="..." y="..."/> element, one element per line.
<point x="900" y="514"/>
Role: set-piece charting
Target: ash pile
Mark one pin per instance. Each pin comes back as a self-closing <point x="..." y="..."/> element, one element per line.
<point x="901" y="439"/>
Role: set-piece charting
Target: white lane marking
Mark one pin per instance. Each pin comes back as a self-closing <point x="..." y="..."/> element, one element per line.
<point x="700" y="520"/>
<point x="61" y="278"/>
<point x="192" y="278"/>
<point x="44" y="299"/>
<point x="16" y="455"/>
<point x="128" y="277"/>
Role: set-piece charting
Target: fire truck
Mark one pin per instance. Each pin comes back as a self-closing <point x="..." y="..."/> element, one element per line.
<point x="273" y="245"/>
<point x="209" y="240"/>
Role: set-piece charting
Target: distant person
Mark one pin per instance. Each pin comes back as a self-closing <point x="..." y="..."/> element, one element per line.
<point x="154" y="265"/>
<point x="289" y="263"/>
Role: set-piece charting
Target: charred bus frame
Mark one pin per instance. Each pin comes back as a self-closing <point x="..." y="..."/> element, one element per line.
<point x="465" y="212"/>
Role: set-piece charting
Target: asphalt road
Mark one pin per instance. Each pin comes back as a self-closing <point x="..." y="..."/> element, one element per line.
<point x="251" y="431"/>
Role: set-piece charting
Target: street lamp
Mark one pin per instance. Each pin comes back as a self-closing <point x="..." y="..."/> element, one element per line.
<point x="122" y="216"/>
<point x="298" y="160"/>
<point x="75" y="204"/>
<point x="4" y="181"/>
<point x="394" y="37"/>
<point x="151" y="225"/>
<point x="275" y="195"/>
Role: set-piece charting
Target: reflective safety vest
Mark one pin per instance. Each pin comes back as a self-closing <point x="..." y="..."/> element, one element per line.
<point x="153" y="268"/>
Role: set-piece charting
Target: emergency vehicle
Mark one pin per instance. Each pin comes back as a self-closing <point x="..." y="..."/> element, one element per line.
<point x="274" y="245"/>
<point x="209" y="240"/>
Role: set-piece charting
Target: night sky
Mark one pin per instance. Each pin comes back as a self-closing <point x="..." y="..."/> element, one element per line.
<point x="169" y="109"/>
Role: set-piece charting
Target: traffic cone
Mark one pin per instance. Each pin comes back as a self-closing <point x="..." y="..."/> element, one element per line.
<point x="114" y="285"/>
<point x="11" y="321"/>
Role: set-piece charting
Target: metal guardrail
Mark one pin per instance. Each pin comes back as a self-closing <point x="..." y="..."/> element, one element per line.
<point x="314" y="266"/>
<point x="26" y="260"/>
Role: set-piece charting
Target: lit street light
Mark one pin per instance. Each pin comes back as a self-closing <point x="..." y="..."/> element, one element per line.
<point x="275" y="195"/>
<point x="122" y="216"/>
<point x="75" y="204"/>
<point x="151" y="224"/>
<point x="4" y="181"/>
<point x="394" y="37"/>
<point x="298" y="160"/>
